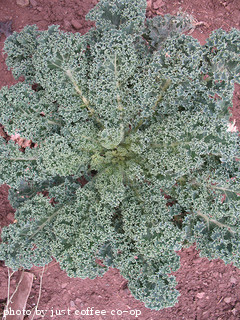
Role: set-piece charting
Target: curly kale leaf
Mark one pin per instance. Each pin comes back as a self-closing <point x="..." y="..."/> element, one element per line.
<point x="134" y="157"/>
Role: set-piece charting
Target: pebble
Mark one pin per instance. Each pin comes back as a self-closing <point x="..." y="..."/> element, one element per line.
<point x="200" y="295"/>
<point x="79" y="13"/>
<point x="10" y="216"/>
<point x="233" y="280"/>
<point x="76" y="24"/>
<point x="72" y="304"/>
<point x="155" y="5"/>
<point x="33" y="3"/>
<point x="228" y="299"/>
<point x="158" y="4"/>
<point x="66" y="24"/>
<point x="22" y="3"/>
<point x="234" y="311"/>
<point x="64" y="285"/>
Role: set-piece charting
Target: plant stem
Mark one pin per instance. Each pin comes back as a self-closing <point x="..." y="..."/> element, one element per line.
<point x="219" y="224"/>
<point x="79" y="91"/>
<point x="164" y="88"/>
<point x="40" y="292"/>
<point x="119" y="101"/>
<point x="9" y="299"/>
<point x="173" y="144"/>
<point x="46" y="222"/>
<point x="224" y="189"/>
<point x="85" y="100"/>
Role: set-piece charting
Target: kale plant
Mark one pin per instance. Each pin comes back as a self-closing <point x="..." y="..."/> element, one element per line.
<point x="130" y="135"/>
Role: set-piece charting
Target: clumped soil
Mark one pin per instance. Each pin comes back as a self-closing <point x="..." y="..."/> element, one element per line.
<point x="209" y="289"/>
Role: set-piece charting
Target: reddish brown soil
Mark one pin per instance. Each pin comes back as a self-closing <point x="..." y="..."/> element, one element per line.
<point x="209" y="289"/>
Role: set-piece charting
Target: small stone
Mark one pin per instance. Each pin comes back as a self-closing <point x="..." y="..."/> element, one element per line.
<point x="22" y="3"/>
<point x="228" y="299"/>
<point x="33" y="3"/>
<point x="80" y="13"/>
<point x="234" y="311"/>
<point x="66" y="24"/>
<point x="76" y="24"/>
<point x="10" y="216"/>
<point x="155" y="5"/>
<point x="200" y="295"/>
<point x="233" y="280"/>
<point x="65" y="296"/>
<point x="158" y="4"/>
<point x="64" y="285"/>
<point x="72" y="305"/>
<point x="124" y="285"/>
<point x="198" y="260"/>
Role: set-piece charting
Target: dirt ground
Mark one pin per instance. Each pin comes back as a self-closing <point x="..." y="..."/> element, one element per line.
<point x="209" y="289"/>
